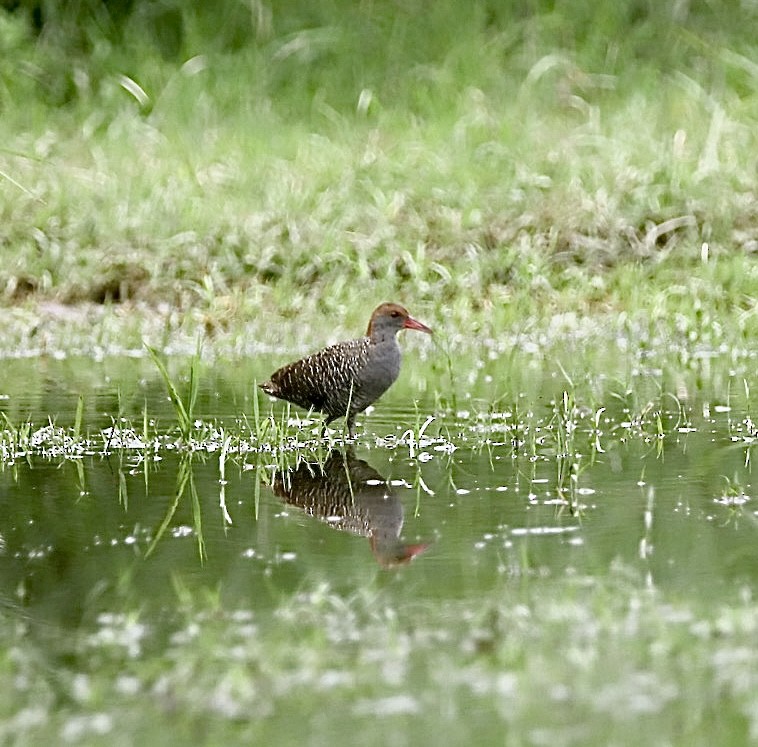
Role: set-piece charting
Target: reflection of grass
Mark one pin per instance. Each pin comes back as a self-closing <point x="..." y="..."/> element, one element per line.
<point x="185" y="486"/>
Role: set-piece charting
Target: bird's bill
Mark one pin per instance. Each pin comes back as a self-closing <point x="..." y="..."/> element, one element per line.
<point x="411" y="323"/>
<point x="397" y="554"/>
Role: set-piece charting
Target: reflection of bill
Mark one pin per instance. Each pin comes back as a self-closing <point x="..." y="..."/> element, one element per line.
<point x="350" y="495"/>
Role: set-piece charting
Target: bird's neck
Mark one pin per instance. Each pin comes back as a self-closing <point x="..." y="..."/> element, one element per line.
<point x="378" y="337"/>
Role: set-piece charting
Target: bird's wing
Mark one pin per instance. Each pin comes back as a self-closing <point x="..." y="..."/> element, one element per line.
<point x="313" y="381"/>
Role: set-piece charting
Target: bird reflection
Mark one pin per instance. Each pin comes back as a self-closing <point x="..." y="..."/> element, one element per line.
<point x="350" y="495"/>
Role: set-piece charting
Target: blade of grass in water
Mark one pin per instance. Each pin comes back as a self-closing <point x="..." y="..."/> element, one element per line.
<point x="78" y="418"/>
<point x="184" y="411"/>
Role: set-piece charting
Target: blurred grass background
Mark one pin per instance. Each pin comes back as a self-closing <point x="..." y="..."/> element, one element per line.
<point x="242" y="160"/>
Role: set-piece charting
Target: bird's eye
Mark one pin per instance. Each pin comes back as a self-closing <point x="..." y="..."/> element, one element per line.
<point x="396" y="314"/>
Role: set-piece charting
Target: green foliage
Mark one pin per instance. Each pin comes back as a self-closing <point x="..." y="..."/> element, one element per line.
<point x="184" y="407"/>
<point x="531" y="158"/>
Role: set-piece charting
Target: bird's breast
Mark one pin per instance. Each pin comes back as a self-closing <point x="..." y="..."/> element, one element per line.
<point x="382" y="367"/>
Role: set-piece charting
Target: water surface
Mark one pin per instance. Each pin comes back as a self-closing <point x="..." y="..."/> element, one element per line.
<point x="435" y="518"/>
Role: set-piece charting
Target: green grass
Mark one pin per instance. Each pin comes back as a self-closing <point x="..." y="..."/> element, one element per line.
<point x="184" y="407"/>
<point x="559" y="413"/>
<point x="359" y="152"/>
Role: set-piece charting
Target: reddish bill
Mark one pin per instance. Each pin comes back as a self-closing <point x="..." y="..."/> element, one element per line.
<point x="411" y="323"/>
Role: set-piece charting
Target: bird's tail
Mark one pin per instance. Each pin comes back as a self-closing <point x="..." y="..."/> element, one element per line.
<point x="269" y="387"/>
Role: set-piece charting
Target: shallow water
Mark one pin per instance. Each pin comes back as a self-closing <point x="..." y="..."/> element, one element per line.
<point x="687" y="517"/>
<point x="470" y="504"/>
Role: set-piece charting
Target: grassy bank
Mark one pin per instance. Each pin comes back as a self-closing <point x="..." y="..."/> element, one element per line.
<point x="491" y="168"/>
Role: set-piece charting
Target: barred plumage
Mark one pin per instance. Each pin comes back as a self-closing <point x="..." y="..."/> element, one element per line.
<point x="344" y="379"/>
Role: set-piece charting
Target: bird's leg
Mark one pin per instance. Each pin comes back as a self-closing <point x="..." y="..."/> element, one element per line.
<point x="325" y="426"/>
<point x="350" y="413"/>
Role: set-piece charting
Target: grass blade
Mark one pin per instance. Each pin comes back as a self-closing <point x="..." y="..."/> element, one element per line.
<point x="185" y="421"/>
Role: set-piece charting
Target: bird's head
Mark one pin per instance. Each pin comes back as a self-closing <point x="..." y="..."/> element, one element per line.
<point x="389" y="318"/>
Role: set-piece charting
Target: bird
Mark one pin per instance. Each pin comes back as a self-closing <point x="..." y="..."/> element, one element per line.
<point x="343" y="379"/>
<point x="350" y="495"/>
